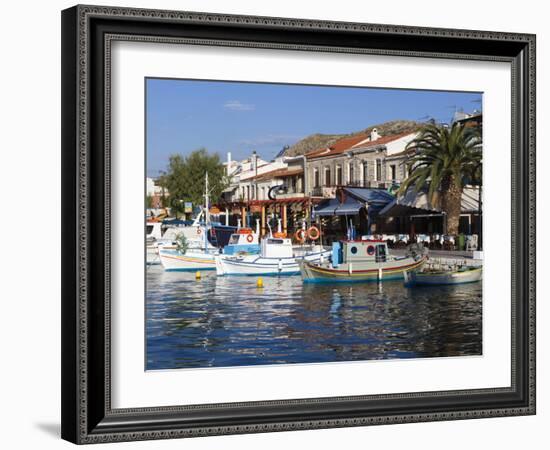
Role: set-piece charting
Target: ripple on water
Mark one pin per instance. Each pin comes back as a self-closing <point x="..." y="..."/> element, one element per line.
<point x="229" y="321"/>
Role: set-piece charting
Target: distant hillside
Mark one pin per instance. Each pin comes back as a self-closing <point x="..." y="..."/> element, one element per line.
<point x="318" y="140"/>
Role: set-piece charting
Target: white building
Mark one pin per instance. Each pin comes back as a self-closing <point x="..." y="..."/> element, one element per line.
<point x="367" y="160"/>
<point x="250" y="178"/>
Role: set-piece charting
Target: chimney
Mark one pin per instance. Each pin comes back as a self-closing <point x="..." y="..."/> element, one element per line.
<point x="254" y="161"/>
<point x="374" y="135"/>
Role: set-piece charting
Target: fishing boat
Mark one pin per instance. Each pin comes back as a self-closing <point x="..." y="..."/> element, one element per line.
<point x="190" y="249"/>
<point x="429" y="277"/>
<point x="277" y="256"/>
<point x="362" y="260"/>
<point x="165" y="234"/>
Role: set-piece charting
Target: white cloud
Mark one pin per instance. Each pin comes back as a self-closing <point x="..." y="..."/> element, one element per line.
<point x="236" y="105"/>
<point x="270" y="139"/>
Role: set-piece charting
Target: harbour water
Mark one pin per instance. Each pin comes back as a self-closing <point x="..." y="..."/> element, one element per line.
<point x="229" y="321"/>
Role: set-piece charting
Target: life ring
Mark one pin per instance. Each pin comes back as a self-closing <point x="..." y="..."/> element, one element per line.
<point x="249" y="238"/>
<point x="313" y="233"/>
<point x="300" y="235"/>
<point x="199" y="231"/>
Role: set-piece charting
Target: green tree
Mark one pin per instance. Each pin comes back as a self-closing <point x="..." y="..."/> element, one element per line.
<point x="184" y="178"/>
<point x="444" y="160"/>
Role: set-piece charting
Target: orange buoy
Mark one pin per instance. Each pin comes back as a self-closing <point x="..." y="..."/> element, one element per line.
<point x="313" y="233"/>
<point x="300" y="235"/>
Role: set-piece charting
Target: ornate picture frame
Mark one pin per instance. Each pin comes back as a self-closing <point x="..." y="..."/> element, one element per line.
<point x="87" y="35"/>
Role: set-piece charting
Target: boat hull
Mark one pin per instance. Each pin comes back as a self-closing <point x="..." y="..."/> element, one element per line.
<point x="173" y="260"/>
<point x="152" y="255"/>
<point x="384" y="271"/>
<point x="443" y="278"/>
<point x="258" y="265"/>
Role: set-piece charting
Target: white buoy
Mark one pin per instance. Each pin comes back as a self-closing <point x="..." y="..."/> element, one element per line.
<point x="350" y="268"/>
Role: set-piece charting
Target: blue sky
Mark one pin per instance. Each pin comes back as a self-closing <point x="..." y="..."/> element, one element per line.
<point x="184" y="115"/>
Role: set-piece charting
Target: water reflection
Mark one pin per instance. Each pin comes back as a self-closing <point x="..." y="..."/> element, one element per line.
<point x="228" y="321"/>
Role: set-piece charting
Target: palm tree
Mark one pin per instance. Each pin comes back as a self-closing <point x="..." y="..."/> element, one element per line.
<point x="444" y="159"/>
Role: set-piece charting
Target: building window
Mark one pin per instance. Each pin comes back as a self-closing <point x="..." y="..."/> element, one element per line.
<point x="242" y="192"/>
<point x="351" y="174"/>
<point x="378" y="170"/>
<point x="339" y="175"/>
<point x="248" y="192"/>
<point x="263" y="193"/>
<point x="315" y="177"/>
<point x="392" y="172"/>
<point x="327" y="176"/>
<point x="365" y="173"/>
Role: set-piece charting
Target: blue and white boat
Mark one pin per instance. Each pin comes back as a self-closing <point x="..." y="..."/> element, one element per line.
<point x="244" y="242"/>
<point x="277" y="256"/>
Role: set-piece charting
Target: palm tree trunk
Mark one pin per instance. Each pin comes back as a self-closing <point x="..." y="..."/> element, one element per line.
<point x="450" y="204"/>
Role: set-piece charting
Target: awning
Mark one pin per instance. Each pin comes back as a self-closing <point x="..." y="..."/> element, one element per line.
<point x="470" y="199"/>
<point x="333" y="207"/>
<point x="370" y="195"/>
<point x="177" y="222"/>
<point x="417" y="203"/>
<point x="412" y="203"/>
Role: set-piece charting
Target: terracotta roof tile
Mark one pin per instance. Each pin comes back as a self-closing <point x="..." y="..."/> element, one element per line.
<point x="283" y="172"/>
<point x="345" y="144"/>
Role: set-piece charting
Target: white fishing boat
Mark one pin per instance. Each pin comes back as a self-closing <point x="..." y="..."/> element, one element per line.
<point x="166" y="236"/>
<point x="190" y="249"/>
<point x="277" y="257"/>
<point x="429" y="277"/>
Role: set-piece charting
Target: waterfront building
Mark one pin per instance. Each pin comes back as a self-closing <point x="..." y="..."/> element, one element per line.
<point x="366" y="160"/>
<point x="253" y="180"/>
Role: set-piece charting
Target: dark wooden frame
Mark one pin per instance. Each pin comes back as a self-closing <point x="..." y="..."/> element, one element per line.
<point x="87" y="32"/>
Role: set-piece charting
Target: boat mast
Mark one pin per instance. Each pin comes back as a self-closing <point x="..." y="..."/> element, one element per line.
<point x="206" y="212"/>
<point x="206" y="203"/>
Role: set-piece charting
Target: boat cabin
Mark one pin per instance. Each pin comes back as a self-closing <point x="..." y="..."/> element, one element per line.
<point x="359" y="251"/>
<point x="244" y="241"/>
<point x="277" y="248"/>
